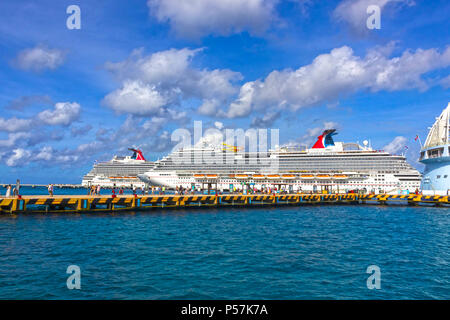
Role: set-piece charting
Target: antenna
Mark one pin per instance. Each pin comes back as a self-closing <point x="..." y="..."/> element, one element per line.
<point x="420" y="142"/>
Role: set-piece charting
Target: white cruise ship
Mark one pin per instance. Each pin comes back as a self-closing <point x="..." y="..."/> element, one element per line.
<point x="119" y="171"/>
<point x="327" y="166"/>
<point x="435" y="154"/>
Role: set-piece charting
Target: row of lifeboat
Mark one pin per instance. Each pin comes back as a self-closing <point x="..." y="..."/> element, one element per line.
<point x="274" y="176"/>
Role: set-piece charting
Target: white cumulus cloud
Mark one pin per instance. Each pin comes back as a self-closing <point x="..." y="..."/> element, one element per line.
<point x="197" y="18"/>
<point x="152" y="83"/>
<point x="266" y="120"/>
<point x="39" y="58"/>
<point x="13" y="139"/>
<point x="14" y="124"/>
<point x="46" y="153"/>
<point x="136" y="97"/>
<point x="19" y="157"/>
<point x="64" y="113"/>
<point x="396" y="145"/>
<point x="354" y="12"/>
<point x="336" y="74"/>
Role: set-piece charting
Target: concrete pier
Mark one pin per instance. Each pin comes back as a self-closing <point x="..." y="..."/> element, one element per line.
<point x="109" y="203"/>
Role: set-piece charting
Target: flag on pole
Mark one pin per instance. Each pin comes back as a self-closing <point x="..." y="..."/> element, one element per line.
<point x="406" y="147"/>
<point x="417" y="137"/>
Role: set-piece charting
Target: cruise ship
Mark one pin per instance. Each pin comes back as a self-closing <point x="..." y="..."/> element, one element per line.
<point x="435" y="155"/>
<point x="119" y="171"/>
<point x="326" y="167"/>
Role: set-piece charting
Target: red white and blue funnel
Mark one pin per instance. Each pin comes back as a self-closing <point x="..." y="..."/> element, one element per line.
<point x="325" y="140"/>
<point x="137" y="154"/>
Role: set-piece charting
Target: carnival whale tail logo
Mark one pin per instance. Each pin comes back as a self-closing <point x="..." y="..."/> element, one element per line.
<point x="325" y="140"/>
<point x="137" y="154"/>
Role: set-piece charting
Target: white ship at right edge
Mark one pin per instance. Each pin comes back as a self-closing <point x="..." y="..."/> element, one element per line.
<point x="435" y="154"/>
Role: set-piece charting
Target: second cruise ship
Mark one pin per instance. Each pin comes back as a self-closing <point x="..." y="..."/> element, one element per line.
<point x="119" y="171"/>
<point x="326" y="167"/>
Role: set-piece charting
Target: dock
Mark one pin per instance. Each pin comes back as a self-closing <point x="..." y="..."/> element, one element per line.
<point x="109" y="203"/>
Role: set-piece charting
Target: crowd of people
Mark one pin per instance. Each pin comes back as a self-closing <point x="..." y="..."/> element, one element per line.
<point x="94" y="190"/>
<point x="180" y="190"/>
<point x="14" y="190"/>
<point x="139" y="190"/>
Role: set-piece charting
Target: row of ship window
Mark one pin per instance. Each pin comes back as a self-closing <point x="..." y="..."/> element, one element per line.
<point x="295" y="181"/>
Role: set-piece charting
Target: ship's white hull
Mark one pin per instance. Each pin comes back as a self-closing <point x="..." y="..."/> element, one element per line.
<point x="105" y="182"/>
<point x="391" y="184"/>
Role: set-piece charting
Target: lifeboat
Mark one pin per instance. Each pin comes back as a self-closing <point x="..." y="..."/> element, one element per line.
<point x="273" y="176"/>
<point x="340" y="176"/>
<point x="211" y="176"/>
<point x="241" y="176"/>
<point x="323" y="176"/>
<point x="288" y="176"/>
<point x="199" y="175"/>
<point x="307" y="176"/>
<point x="258" y="176"/>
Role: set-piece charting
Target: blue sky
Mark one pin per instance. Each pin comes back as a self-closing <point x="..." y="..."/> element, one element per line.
<point x="137" y="70"/>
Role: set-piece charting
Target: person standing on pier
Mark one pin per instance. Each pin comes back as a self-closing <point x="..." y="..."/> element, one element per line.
<point x="50" y="190"/>
<point x="8" y="190"/>
<point x="98" y="189"/>
<point x="17" y="187"/>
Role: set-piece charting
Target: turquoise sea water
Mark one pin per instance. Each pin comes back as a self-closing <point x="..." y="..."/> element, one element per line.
<point x="309" y="252"/>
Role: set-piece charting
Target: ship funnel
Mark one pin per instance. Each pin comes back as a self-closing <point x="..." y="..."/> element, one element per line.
<point x="439" y="132"/>
<point x="325" y="140"/>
